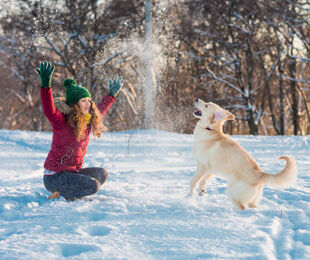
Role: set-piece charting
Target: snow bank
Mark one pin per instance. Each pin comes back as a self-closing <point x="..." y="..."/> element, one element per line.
<point x="141" y="212"/>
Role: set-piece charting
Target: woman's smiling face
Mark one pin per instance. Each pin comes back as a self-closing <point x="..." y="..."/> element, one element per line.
<point x="85" y="105"/>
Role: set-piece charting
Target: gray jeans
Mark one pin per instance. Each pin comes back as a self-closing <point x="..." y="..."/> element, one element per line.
<point x="73" y="185"/>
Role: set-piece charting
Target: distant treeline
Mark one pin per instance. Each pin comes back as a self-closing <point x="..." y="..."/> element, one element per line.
<point x="251" y="57"/>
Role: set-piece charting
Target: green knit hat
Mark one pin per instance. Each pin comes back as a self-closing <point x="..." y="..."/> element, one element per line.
<point x="74" y="92"/>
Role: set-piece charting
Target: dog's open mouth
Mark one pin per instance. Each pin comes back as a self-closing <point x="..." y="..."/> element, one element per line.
<point x="198" y="112"/>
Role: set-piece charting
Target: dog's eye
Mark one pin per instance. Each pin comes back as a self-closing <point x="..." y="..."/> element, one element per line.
<point x="206" y="106"/>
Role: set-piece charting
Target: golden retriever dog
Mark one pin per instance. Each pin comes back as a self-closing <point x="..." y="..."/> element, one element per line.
<point x="217" y="154"/>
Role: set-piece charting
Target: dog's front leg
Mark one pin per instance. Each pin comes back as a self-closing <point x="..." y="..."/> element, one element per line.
<point x="196" y="178"/>
<point x="203" y="184"/>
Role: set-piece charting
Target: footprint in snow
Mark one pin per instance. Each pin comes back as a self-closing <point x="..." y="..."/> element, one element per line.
<point x="98" y="216"/>
<point x="76" y="249"/>
<point x="99" y="231"/>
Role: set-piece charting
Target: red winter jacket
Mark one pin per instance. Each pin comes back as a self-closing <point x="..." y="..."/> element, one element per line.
<point x="66" y="154"/>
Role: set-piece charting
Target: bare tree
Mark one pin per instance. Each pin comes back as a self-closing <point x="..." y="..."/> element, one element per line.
<point x="236" y="56"/>
<point x="251" y="57"/>
<point x="72" y="34"/>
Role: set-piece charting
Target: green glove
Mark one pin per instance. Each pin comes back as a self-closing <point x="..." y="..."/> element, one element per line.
<point x="46" y="70"/>
<point x="115" y="85"/>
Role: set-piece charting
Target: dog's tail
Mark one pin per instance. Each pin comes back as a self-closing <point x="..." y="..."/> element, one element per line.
<point x="285" y="177"/>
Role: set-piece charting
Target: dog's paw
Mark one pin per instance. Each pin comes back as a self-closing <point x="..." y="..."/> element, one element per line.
<point x="202" y="192"/>
<point x="252" y="205"/>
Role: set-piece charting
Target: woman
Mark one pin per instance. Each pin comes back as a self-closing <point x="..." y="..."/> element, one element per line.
<point x="72" y="120"/>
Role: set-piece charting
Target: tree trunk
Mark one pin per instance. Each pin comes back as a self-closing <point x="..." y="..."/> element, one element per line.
<point x="294" y="94"/>
<point x="281" y="96"/>
<point x="251" y="123"/>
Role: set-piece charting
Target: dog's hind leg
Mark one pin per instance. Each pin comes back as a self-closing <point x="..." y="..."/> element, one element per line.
<point x="253" y="204"/>
<point x="196" y="178"/>
<point x="235" y="192"/>
<point x="203" y="184"/>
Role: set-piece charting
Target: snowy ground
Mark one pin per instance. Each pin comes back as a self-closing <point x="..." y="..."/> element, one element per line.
<point x="141" y="212"/>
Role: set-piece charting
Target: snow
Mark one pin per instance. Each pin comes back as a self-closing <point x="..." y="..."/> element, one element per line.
<point x="142" y="211"/>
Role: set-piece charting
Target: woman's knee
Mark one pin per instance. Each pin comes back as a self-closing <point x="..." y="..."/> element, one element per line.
<point x="105" y="175"/>
<point x="100" y="174"/>
<point x="97" y="185"/>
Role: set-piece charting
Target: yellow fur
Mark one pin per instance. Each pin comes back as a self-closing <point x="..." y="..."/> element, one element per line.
<point x="217" y="154"/>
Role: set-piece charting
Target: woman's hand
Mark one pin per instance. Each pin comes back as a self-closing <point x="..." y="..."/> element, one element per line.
<point x="115" y="85"/>
<point x="46" y="71"/>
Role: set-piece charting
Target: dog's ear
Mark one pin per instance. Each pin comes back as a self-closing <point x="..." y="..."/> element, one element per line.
<point x="221" y="115"/>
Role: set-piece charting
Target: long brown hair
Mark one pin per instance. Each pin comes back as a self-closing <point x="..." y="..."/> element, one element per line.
<point x="77" y="121"/>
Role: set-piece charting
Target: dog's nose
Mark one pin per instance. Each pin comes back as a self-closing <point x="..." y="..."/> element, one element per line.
<point x="197" y="99"/>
